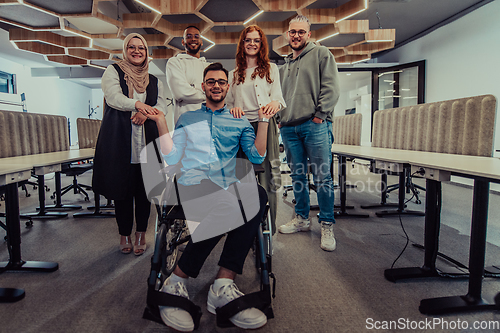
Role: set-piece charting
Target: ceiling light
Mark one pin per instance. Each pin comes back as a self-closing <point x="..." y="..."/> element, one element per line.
<point x="208" y="40"/>
<point x="91" y="43"/>
<point x="321" y="39"/>
<point x="344" y="18"/>
<point x="77" y="33"/>
<point x="149" y="7"/>
<point x="355" y="62"/>
<point x="96" y="66"/>
<point x="14" y="44"/>
<point x="379" y="41"/>
<point x="389" y="73"/>
<point x="348" y="74"/>
<point x="253" y="17"/>
<point x="208" y="48"/>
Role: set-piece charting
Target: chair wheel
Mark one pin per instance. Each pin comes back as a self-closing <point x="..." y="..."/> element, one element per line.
<point x="28" y="195"/>
<point x="293" y="201"/>
<point x="29" y="224"/>
<point x="285" y="195"/>
<point x="52" y="197"/>
<point x="87" y="199"/>
<point x="47" y="190"/>
<point x="418" y="202"/>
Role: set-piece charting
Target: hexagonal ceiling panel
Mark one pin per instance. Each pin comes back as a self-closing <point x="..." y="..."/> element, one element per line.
<point x="94" y="29"/>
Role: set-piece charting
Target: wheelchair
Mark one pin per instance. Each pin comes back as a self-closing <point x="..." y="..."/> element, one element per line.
<point x="172" y="232"/>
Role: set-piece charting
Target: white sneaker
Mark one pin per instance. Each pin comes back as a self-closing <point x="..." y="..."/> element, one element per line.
<point x="176" y="318"/>
<point x="297" y="224"/>
<point x="251" y="318"/>
<point x="328" y="242"/>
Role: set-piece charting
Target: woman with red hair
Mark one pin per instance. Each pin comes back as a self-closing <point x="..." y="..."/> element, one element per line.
<point x="255" y="84"/>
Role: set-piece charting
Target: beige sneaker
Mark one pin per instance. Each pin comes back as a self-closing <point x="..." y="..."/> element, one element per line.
<point x="297" y="224"/>
<point x="328" y="242"/>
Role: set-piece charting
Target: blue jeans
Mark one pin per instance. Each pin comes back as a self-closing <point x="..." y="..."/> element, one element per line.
<point x="310" y="142"/>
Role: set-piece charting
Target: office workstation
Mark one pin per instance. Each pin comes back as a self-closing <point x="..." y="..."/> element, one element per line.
<point x="390" y="262"/>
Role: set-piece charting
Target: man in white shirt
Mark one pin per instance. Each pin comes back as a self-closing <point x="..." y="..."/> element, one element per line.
<point x="185" y="74"/>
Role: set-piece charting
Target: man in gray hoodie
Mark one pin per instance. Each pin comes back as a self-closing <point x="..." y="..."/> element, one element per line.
<point x="310" y="84"/>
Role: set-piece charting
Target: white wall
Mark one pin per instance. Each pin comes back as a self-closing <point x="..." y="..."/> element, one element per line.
<point x="50" y="95"/>
<point x="462" y="58"/>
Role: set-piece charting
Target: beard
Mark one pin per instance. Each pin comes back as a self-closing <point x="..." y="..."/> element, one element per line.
<point x="216" y="100"/>
<point x="298" y="48"/>
<point x="192" y="51"/>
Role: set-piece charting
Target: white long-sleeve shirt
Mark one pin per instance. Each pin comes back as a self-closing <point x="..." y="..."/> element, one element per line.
<point x="184" y="77"/>
<point x="254" y="94"/>
<point x="110" y="85"/>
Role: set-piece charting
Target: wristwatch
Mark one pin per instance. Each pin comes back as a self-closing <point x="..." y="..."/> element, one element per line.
<point x="263" y="120"/>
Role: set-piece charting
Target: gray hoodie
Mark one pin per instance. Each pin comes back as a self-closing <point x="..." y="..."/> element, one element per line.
<point x="310" y="85"/>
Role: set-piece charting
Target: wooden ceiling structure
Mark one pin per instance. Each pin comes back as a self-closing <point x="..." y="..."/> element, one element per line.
<point x="79" y="39"/>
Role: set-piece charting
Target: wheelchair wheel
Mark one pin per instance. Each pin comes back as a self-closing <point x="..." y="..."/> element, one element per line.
<point x="171" y="253"/>
<point x="166" y="252"/>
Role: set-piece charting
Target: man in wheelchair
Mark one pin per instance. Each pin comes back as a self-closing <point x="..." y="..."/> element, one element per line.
<point x="206" y="142"/>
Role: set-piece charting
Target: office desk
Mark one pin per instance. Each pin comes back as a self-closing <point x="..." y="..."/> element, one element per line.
<point x="391" y="160"/>
<point x="46" y="163"/>
<point x="437" y="167"/>
<point x="483" y="170"/>
<point x="10" y="175"/>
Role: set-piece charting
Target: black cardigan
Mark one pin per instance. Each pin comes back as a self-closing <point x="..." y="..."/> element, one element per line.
<point x="113" y="148"/>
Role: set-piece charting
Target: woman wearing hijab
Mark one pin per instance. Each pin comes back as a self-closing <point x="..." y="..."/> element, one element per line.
<point x="255" y="84"/>
<point x="130" y="94"/>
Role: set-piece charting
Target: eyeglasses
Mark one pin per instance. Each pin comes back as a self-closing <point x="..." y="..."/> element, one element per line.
<point x="211" y="82"/>
<point x="189" y="36"/>
<point x="301" y="33"/>
<point x="249" y="40"/>
<point x="133" y="48"/>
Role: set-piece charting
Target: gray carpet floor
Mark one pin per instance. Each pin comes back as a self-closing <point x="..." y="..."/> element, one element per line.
<point x="98" y="289"/>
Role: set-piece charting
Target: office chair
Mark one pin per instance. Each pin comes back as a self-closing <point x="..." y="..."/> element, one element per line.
<point x="74" y="170"/>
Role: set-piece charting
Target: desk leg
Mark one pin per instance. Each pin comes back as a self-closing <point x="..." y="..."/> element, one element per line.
<point x="343" y="193"/>
<point x="109" y="205"/>
<point x="59" y="205"/>
<point x="9" y="295"/>
<point x="401" y="201"/>
<point x="42" y="214"/>
<point x="473" y="300"/>
<point x="383" y="195"/>
<point x="97" y="210"/>
<point x="15" y="262"/>
<point x="432" y="225"/>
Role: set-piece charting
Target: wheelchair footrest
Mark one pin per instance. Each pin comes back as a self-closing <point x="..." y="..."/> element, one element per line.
<point x="260" y="300"/>
<point x="158" y="298"/>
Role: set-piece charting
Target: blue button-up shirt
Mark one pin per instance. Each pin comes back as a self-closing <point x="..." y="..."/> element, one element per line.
<point x="206" y="142"/>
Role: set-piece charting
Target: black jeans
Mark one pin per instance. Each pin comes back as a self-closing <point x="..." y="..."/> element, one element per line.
<point x="236" y="247"/>
<point x="124" y="209"/>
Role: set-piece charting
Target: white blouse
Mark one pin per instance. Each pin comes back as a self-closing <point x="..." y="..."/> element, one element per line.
<point x="110" y="84"/>
<point x="254" y="94"/>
